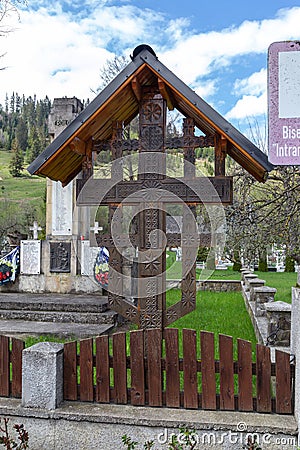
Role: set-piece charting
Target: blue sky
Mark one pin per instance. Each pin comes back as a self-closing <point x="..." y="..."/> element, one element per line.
<point x="219" y="48"/>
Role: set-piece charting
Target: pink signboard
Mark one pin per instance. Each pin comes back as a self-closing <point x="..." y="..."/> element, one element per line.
<point x="284" y="103"/>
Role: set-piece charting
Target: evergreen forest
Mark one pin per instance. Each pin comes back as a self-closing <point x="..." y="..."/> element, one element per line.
<point x="23" y="135"/>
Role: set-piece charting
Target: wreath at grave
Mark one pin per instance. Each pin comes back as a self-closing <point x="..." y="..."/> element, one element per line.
<point x="101" y="267"/>
<point x="10" y="266"/>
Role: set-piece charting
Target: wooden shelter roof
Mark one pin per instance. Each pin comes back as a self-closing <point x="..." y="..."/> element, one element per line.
<point x="119" y="101"/>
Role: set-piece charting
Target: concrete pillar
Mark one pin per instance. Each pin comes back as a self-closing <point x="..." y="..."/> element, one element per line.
<point x="295" y="349"/>
<point x="279" y="323"/>
<point x="254" y="283"/>
<point x="243" y="273"/>
<point x="247" y="278"/>
<point x="42" y="376"/>
<point x="261" y="296"/>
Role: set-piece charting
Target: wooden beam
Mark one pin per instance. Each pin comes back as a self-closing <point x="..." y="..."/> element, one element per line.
<point x="221" y="144"/>
<point x="87" y="161"/>
<point x="137" y="89"/>
<point x="166" y="93"/>
<point x="193" y="191"/>
<point x="78" y="146"/>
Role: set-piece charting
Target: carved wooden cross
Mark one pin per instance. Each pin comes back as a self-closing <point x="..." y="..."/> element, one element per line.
<point x="149" y="194"/>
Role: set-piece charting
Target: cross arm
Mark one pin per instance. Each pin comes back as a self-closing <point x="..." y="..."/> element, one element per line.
<point x="197" y="191"/>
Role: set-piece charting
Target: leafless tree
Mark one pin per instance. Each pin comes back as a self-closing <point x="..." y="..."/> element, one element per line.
<point x="264" y="214"/>
<point x="8" y="10"/>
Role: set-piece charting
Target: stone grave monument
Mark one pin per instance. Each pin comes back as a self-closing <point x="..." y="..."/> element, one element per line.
<point x="63" y="262"/>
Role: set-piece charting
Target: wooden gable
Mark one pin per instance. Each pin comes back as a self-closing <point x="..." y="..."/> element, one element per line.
<point x="64" y="158"/>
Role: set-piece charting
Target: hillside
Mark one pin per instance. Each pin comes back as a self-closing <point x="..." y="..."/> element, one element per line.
<point x="22" y="200"/>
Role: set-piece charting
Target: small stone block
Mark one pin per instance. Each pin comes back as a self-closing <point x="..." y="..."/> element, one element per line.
<point x="279" y="307"/>
<point x="262" y="295"/>
<point x="279" y="323"/>
<point x="250" y="276"/>
<point x="42" y="376"/>
<point x="247" y="278"/>
<point x="253" y="283"/>
<point x="244" y="273"/>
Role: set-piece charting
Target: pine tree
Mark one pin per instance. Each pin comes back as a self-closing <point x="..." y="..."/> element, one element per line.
<point x="34" y="145"/>
<point x="17" y="160"/>
<point x="22" y="134"/>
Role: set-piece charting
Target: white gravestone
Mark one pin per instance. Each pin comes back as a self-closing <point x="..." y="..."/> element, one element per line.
<point x="88" y="257"/>
<point x="30" y="257"/>
<point x="35" y="229"/>
<point x="62" y="213"/>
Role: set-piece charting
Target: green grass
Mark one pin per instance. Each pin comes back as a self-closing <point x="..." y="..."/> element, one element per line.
<point x="21" y="189"/>
<point x="174" y="271"/>
<point x="220" y="313"/>
<point x="31" y="340"/>
<point x="282" y="281"/>
<point x="228" y="274"/>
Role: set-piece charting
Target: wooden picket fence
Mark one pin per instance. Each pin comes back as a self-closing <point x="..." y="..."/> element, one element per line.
<point x="11" y="367"/>
<point x="146" y="369"/>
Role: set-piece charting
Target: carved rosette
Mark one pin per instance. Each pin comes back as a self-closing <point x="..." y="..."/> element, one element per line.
<point x="152" y="122"/>
<point x="153" y="320"/>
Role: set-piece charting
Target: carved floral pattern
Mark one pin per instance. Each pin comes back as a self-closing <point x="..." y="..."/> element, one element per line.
<point x="152" y="112"/>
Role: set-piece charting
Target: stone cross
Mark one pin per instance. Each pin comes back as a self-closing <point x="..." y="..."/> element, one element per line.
<point x="96" y="228"/>
<point x="35" y="228"/>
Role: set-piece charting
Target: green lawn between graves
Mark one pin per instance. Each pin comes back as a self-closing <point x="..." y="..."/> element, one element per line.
<point x="218" y="312"/>
<point x="221" y="312"/>
<point x="282" y="281"/>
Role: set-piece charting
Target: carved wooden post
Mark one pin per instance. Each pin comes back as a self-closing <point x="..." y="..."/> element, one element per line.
<point x="220" y="155"/>
<point x="152" y="221"/>
<point x="188" y="284"/>
<point x="115" y="220"/>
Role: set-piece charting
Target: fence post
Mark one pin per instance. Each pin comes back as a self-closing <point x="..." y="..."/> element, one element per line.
<point x="42" y="376"/>
<point x="295" y="349"/>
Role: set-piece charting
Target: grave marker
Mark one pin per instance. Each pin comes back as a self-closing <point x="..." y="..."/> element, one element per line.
<point x="35" y="228"/>
<point x="88" y="257"/>
<point x="30" y="257"/>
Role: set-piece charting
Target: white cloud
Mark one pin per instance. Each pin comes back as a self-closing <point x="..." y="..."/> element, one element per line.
<point x="248" y="106"/>
<point x="255" y="84"/>
<point x="254" y="96"/>
<point x="206" y="89"/>
<point x="117" y="27"/>
<point x="55" y="53"/>
<point x="58" y="52"/>
<point x="203" y="53"/>
<point x="41" y="47"/>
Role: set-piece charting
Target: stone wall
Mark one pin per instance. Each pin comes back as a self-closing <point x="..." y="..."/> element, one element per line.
<point x="219" y="285"/>
<point x="271" y="320"/>
<point x="87" y="426"/>
<point x="210" y="285"/>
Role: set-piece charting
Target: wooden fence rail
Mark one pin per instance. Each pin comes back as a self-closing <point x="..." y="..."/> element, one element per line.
<point x="146" y="369"/>
<point x="11" y="367"/>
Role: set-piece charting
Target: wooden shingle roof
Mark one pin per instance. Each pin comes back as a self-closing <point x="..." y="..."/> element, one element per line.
<point x="119" y="101"/>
